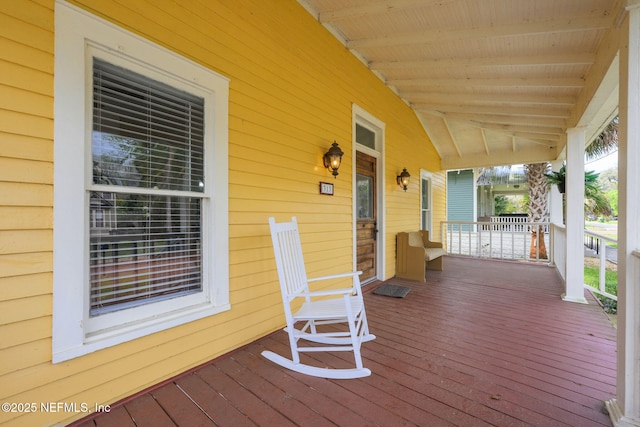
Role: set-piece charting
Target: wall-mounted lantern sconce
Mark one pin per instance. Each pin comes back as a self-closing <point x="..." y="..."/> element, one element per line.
<point x="403" y="179"/>
<point x="332" y="159"/>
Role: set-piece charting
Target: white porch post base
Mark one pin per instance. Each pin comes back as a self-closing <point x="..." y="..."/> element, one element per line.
<point x="568" y="298"/>
<point x="617" y="417"/>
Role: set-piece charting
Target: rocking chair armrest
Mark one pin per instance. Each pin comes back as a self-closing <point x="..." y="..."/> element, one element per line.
<point x="335" y="276"/>
<point x="343" y="291"/>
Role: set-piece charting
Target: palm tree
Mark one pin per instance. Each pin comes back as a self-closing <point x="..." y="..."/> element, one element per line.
<point x="605" y="143"/>
<point x="537" y="183"/>
<point x="595" y="199"/>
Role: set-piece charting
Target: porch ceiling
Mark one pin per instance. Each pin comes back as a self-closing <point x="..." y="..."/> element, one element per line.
<point x="493" y="81"/>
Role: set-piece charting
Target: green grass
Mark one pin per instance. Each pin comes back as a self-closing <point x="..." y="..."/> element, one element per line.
<point x="591" y="278"/>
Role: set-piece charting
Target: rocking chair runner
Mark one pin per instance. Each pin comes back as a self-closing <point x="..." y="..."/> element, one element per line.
<point x="346" y="307"/>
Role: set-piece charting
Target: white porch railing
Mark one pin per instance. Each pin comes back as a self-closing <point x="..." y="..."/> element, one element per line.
<point x="599" y="243"/>
<point x="511" y="223"/>
<point x="513" y="242"/>
<point x="494" y="240"/>
<point x="508" y="223"/>
<point x="559" y="248"/>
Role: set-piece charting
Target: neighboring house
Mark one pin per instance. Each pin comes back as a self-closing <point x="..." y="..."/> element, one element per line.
<point x="471" y="193"/>
<point x="145" y="146"/>
<point x="461" y="188"/>
<point x="498" y="181"/>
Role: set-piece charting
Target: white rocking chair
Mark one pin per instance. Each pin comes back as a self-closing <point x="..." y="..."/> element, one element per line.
<point x="347" y="307"/>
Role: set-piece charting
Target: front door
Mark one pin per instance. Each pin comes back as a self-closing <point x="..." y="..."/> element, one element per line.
<point x="366" y="223"/>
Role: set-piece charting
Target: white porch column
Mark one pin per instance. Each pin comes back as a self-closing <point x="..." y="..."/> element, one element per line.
<point x="574" y="280"/>
<point x="625" y="409"/>
<point x="556" y="212"/>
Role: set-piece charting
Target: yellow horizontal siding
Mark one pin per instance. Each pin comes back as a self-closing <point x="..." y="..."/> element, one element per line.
<point x="30" y="12"/>
<point x="27" y="171"/>
<point x="25" y="205"/>
<point x="25" y="101"/>
<point x="25" y="263"/>
<point x="12" y="28"/>
<point x="19" y="194"/>
<point x="24" y="308"/>
<point x="25" y="331"/>
<point x="25" y="241"/>
<point x="23" y="124"/>
<point x="25" y="355"/>
<point x="15" y="287"/>
<point x="292" y="87"/>
<point x="26" y="218"/>
<point x="26" y="147"/>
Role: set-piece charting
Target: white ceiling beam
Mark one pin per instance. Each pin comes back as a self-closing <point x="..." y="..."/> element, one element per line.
<point x="488" y="109"/>
<point x="510" y="60"/>
<point x="560" y="25"/>
<point x="549" y="141"/>
<point x="498" y="158"/>
<point x="484" y="141"/>
<point x="424" y="83"/>
<point x="542" y="143"/>
<point x="538" y="136"/>
<point x="453" y="138"/>
<point x="512" y="120"/>
<point x="525" y="129"/>
<point x="533" y="129"/>
<point x="516" y="98"/>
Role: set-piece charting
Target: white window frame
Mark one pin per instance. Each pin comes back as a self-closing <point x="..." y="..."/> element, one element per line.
<point x="426" y="176"/>
<point x="79" y="36"/>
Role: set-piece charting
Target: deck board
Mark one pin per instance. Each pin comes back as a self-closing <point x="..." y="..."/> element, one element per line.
<point x="482" y="343"/>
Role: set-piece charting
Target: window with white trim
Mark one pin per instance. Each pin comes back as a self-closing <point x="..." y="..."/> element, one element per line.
<point x="425" y="200"/>
<point x="139" y="244"/>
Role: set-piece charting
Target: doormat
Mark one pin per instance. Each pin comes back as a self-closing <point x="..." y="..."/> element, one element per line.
<point x="389" y="290"/>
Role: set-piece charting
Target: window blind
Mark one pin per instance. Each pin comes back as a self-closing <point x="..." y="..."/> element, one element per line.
<point x="146" y="133"/>
<point x="145" y="246"/>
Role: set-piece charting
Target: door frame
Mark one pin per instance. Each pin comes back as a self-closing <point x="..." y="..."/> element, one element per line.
<point x="363" y="118"/>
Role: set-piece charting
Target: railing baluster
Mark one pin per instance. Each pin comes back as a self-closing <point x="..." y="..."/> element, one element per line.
<point x="600" y="243"/>
<point x="602" y="283"/>
<point x="472" y="242"/>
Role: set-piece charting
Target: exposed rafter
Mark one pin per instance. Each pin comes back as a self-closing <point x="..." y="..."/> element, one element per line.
<point x="484" y="141"/>
<point x="565" y="58"/>
<point x="515" y="98"/>
<point x="453" y="138"/>
<point x="558" y="25"/>
<point x="510" y="111"/>
<point x="513" y="120"/>
<point x="424" y="83"/>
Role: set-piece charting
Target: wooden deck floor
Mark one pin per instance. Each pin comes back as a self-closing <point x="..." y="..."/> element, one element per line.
<point x="482" y="343"/>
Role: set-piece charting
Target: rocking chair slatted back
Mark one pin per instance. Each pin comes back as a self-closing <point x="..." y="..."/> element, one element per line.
<point x="289" y="259"/>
